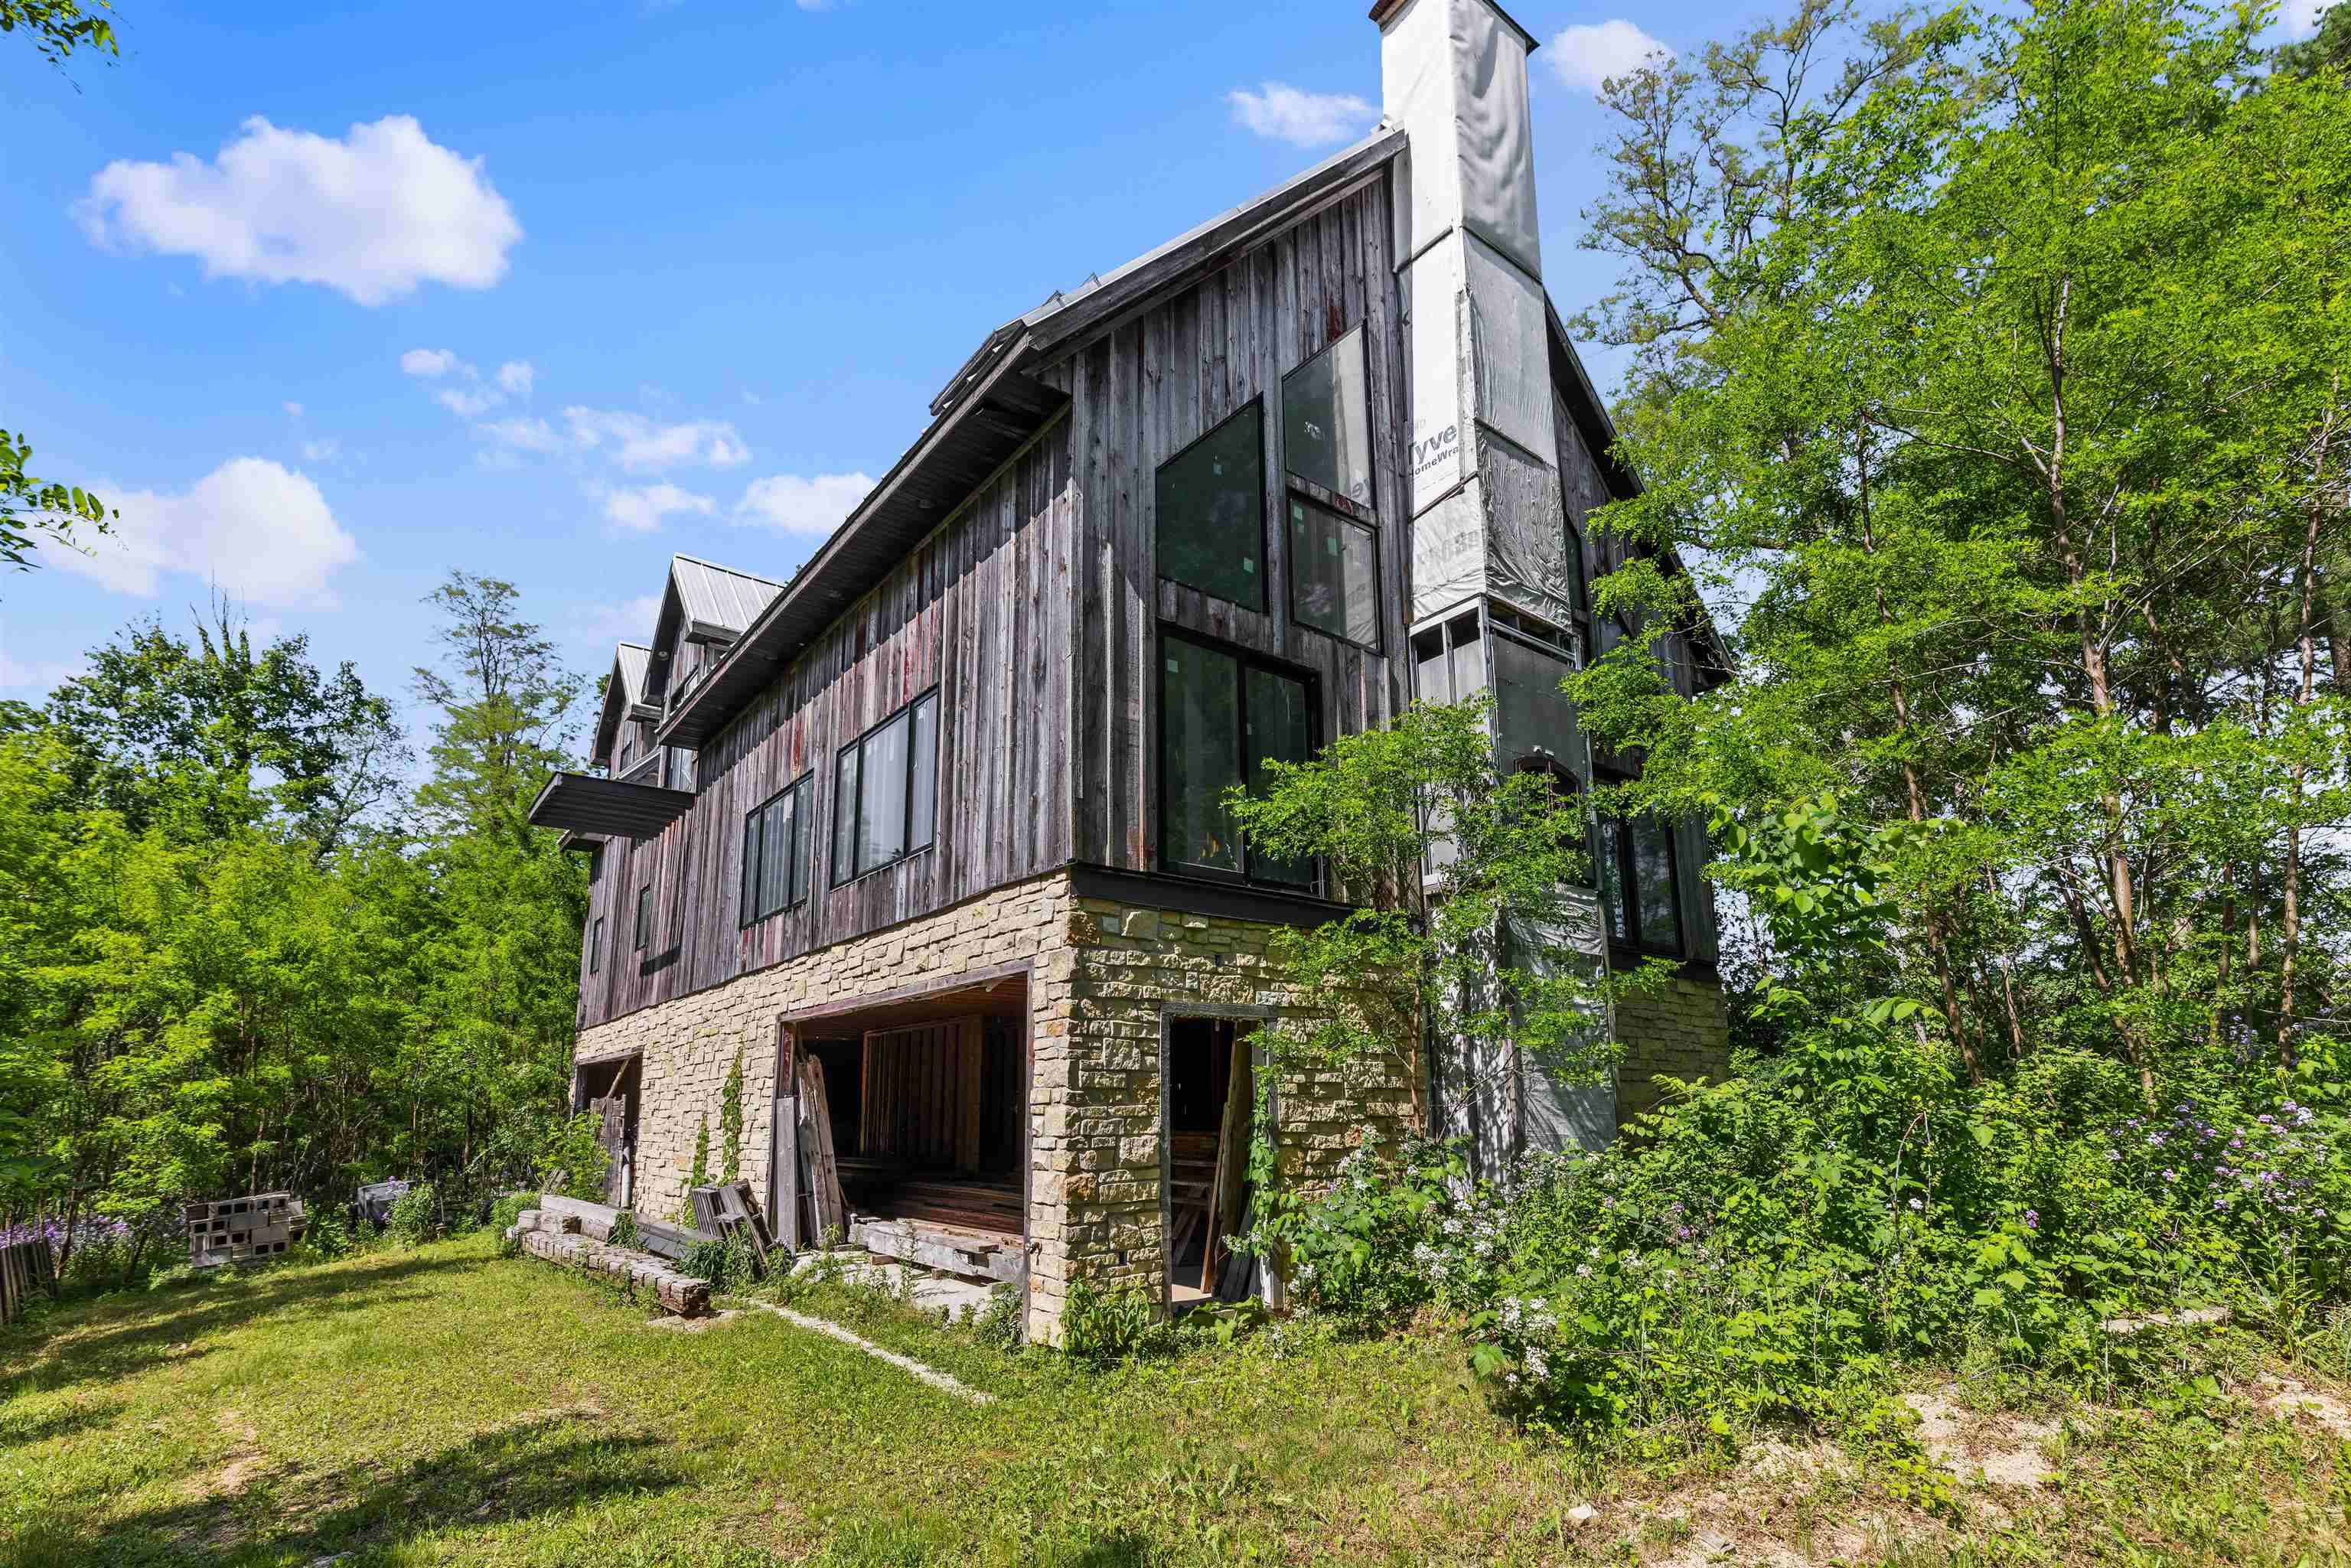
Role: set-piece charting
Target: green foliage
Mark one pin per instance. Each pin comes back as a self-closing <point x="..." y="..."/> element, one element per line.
<point x="29" y="506"/>
<point x="1000" y="1323"/>
<point x="624" y="1228"/>
<point x="700" y="1175"/>
<point x="729" y="1264"/>
<point x="1479" y="958"/>
<point x="504" y="1213"/>
<point x="415" y="1216"/>
<point x="56" y="29"/>
<point x="730" y="1122"/>
<point x="1101" y="1325"/>
<point x="575" y="1147"/>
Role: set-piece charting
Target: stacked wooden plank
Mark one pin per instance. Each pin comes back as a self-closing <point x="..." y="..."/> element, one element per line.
<point x="257" y="1226"/>
<point x="25" y="1267"/>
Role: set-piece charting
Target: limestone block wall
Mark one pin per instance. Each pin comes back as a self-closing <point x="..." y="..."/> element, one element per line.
<point x="1105" y="977"/>
<point x="1682" y="1031"/>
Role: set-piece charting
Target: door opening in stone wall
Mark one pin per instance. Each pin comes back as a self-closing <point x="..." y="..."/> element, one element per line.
<point x="1209" y="1105"/>
<point x="927" y="1101"/>
<point x="611" y="1092"/>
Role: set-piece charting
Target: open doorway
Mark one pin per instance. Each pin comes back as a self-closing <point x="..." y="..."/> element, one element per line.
<point x="611" y="1091"/>
<point x="1208" y="1106"/>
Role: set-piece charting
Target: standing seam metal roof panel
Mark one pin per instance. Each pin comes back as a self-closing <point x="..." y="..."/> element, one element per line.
<point x="718" y="596"/>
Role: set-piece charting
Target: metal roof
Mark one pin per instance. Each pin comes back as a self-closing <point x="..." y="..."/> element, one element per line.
<point x="626" y="690"/>
<point x="718" y="596"/>
<point x="586" y="804"/>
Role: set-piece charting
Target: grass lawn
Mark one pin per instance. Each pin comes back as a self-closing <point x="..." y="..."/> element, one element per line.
<point x="446" y="1405"/>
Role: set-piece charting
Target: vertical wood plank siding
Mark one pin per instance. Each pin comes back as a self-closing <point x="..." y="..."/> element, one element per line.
<point x="1150" y="386"/>
<point x="1036" y="611"/>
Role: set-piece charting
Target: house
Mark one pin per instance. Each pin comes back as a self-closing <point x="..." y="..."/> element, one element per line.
<point x="940" y="814"/>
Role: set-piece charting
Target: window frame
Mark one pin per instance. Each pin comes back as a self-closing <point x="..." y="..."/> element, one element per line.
<point x="644" y="918"/>
<point x="1245" y="660"/>
<point x="747" y="911"/>
<point x="1264" y="605"/>
<point x="1369" y="507"/>
<point x="1628" y="883"/>
<point x="1305" y="490"/>
<point x="596" y="945"/>
<point x="856" y="744"/>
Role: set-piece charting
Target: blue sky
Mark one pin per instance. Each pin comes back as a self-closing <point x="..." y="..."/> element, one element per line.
<point x="334" y="300"/>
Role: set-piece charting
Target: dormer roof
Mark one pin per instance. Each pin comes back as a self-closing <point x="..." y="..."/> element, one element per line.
<point x="625" y="698"/>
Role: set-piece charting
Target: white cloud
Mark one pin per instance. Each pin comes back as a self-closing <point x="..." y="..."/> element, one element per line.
<point x="1284" y="113"/>
<point x="515" y="376"/>
<point x="467" y="404"/>
<point x="792" y="504"/>
<point x="1590" y="53"/>
<point x="39" y="677"/>
<point x="635" y="443"/>
<point x="262" y="532"/>
<point x="372" y="215"/>
<point x="641" y="511"/>
<point x="294" y="408"/>
<point x="319" y="450"/>
<point x="528" y="435"/>
<point x="2301" y="16"/>
<point x="630" y="621"/>
<point x="431" y="363"/>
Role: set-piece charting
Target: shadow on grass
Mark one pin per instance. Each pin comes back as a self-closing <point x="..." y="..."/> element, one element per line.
<point x="491" y="1479"/>
<point x="24" y="1431"/>
<point x="116" y="1337"/>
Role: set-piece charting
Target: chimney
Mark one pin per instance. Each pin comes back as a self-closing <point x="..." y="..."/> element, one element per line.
<point x="1485" y="487"/>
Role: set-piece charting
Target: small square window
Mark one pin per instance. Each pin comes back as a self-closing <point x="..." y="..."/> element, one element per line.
<point x="1211" y="512"/>
<point x="1334" y="573"/>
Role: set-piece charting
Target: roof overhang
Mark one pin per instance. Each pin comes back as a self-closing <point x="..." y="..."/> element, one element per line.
<point x="583" y="803"/>
<point x="989" y="411"/>
<point x="1003" y="412"/>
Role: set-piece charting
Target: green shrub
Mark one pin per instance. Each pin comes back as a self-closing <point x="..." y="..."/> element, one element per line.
<point x="1773" y="1246"/>
<point x="729" y="1264"/>
<point x="999" y="1322"/>
<point x="413" y="1215"/>
<point x="504" y="1213"/>
<point x="574" y="1148"/>
<point x="1109" y="1326"/>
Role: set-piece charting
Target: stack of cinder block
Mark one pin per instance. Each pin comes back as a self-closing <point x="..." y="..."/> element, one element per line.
<point x="260" y="1226"/>
<point x="556" y="1236"/>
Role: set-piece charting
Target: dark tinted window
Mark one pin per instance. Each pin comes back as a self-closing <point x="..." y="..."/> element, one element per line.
<point x="885" y="793"/>
<point x="1326" y="421"/>
<point x="1334" y="573"/>
<point x="644" y="914"/>
<point x="1533" y="717"/>
<point x="1211" y="512"/>
<point x="775" y="853"/>
<point x="1223" y="719"/>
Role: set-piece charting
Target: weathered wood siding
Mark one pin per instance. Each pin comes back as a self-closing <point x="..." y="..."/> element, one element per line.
<point x="976" y="612"/>
<point x="1141" y="392"/>
<point x="1036" y="611"/>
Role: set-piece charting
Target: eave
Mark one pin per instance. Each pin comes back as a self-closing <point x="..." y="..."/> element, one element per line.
<point x="583" y="803"/>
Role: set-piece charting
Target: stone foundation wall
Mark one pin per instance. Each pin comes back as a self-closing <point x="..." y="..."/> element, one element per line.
<point x="1682" y="1031"/>
<point x="1105" y="977"/>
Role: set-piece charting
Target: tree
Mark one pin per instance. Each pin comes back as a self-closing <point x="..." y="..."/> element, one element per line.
<point x="2329" y="49"/>
<point x="2020" y="432"/>
<point x="1487" y="956"/>
<point x="56" y="29"/>
<point x="30" y="506"/>
<point x="505" y="701"/>
<point x="270" y="736"/>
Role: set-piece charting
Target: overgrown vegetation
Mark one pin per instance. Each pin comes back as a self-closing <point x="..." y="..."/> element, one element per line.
<point x="1994" y="383"/>
<point x="238" y="952"/>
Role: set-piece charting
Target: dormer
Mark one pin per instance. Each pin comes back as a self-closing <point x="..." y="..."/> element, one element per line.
<point x="703" y="610"/>
<point x="624" y="726"/>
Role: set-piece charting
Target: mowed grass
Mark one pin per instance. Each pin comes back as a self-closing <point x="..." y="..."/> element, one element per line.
<point x="448" y="1407"/>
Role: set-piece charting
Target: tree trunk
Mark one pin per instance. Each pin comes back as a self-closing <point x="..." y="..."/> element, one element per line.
<point x="2306" y="574"/>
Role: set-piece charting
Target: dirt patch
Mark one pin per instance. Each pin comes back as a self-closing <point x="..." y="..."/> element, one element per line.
<point x="2289" y="1398"/>
<point x="245" y="1461"/>
<point x="676" y="1324"/>
<point x="2005" y="1451"/>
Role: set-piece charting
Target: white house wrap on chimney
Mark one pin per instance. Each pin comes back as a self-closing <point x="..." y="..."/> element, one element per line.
<point x="1485" y="489"/>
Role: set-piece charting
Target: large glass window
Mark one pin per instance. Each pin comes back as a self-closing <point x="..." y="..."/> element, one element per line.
<point x="1211" y="511"/>
<point x="1334" y="573"/>
<point x="1222" y="719"/>
<point x="1533" y="718"/>
<point x="885" y="792"/>
<point x="1637" y="882"/>
<point x="1326" y="421"/>
<point x="775" y="853"/>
